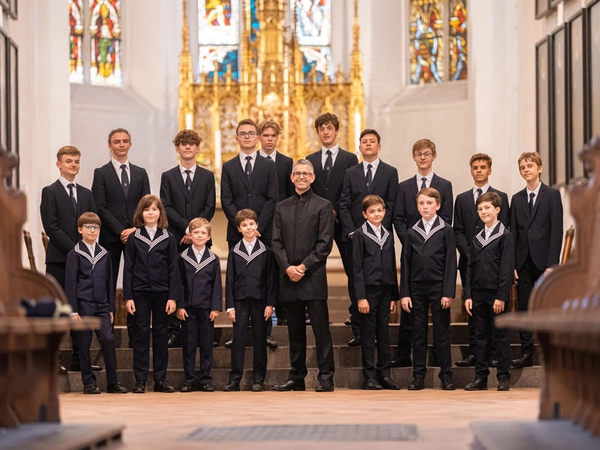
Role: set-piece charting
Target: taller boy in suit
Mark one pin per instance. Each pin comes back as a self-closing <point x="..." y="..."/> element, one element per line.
<point x="62" y="203"/>
<point x="537" y="225"/>
<point x="406" y="215"/>
<point x="467" y="225"/>
<point x="371" y="177"/>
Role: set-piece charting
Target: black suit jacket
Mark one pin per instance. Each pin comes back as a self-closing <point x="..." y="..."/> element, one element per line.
<point x="539" y="234"/>
<point x="385" y="184"/>
<point x="283" y="165"/>
<point x="183" y="205"/>
<point x="202" y="285"/>
<point x="260" y="194"/>
<point x="467" y="222"/>
<point x="405" y="209"/>
<point x="59" y="219"/>
<point x="116" y="210"/>
<point x="303" y="234"/>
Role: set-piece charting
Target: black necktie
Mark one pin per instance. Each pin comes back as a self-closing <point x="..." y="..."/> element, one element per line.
<point x="369" y="177"/>
<point x="248" y="166"/>
<point x="71" y="186"/>
<point x="531" y="197"/>
<point x="423" y="183"/>
<point x="479" y="192"/>
<point x="188" y="179"/>
<point x="124" y="179"/>
<point x="328" y="164"/>
<point x="269" y="157"/>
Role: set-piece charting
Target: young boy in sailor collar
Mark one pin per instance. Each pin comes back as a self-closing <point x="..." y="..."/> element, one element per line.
<point x="376" y="285"/>
<point x="88" y="285"/>
<point x="251" y="292"/>
<point x="489" y="278"/>
<point x="428" y="279"/>
<point x="201" y="304"/>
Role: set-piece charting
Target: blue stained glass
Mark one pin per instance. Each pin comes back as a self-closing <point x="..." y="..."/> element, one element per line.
<point x="255" y="24"/>
<point x="225" y="57"/>
<point x="317" y="57"/>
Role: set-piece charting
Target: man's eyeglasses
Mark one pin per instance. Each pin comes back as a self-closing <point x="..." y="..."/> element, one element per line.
<point x="423" y="155"/>
<point x="302" y="174"/>
<point x="91" y="226"/>
<point x="248" y="134"/>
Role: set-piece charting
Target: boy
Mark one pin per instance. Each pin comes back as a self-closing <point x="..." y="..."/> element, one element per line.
<point x="489" y="277"/>
<point x="537" y="225"/>
<point x="201" y="305"/>
<point x="251" y="292"/>
<point x="62" y="203"/>
<point x="376" y="286"/>
<point x="372" y="176"/>
<point x="89" y="290"/>
<point x="467" y="224"/>
<point x="406" y="214"/>
<point x="428" y="279"/>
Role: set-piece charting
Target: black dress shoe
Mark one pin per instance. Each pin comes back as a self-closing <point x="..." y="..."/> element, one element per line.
<point x="172" y="340"/>
<point x="139" y="387"/>
<point x="523" y="361"/>
<point x="447" y="384"/>
<point x="504" y="384"/>
<point x="469" y="361"/>
<point x="96" y="368"/>
<point x="187" y="387"/>
<point x="231" y="387"/>
<point x="354" y="342"/>
<point x="91" y="389"/>
<point x="308" y="322"/>
<point x="401" y="362"/>
<point x="348" y="321"/>
<point x="290" y="385"/>
<point x="76" y="367"/>
<point x="416" y="385"/>
<point x="258" y="387"/>
<point x="229" y="343"/>
<point x="271" y="343"/>
<point x="493" y="362"/>
<point x="282" y="321"/>
<point x="215" y="344"/>
<point x="162" y="386"/>
<point x="204" y="387"/>
<point x="389" y="384"/>
<point x="324" y="386"/>
<point x="478" y="384"/>
<point x="371" y="384"/>
<point x="116" y="388"/>
<point x="62" y="370"/>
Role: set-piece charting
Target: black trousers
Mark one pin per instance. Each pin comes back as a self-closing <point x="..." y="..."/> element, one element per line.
<point x="346" y="248"/>
<point x="107" y="343"/>
<point x="528" y="275"/>
<point x="246" y="310"/>
<point x="319" y="317"/>
<point x="405" y="335"/>
<point x="150" y="305"/>
<point x="197" y="331"/>
<point x="425" y="295"/>
<point x="374" y="327"/>
<point x="484" y="316"/>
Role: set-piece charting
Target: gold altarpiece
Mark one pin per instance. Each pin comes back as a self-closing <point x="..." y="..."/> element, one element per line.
<point x="271" y="86"/>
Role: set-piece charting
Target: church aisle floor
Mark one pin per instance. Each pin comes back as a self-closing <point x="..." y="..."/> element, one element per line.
<point x="163" y="421"/>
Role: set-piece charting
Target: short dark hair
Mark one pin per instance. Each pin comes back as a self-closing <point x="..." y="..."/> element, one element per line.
<point x="431" y="192"/>
<point x="371" y="200"/>
<point x="422" y="144"/>
<point x="246" y="122"/>
<point x="187" y="137"/>
<point x="67" y="150"/>
<point x="481" y="157"/>
<point x="534" y="157"/>
<point x="118" y="130"/>
<point x="326" y="118"/>
<point x="370" y="131"/>
<point x="145" y="202"/>
<point x="245" y="214"/>
<point x="269" y="124"/>
<point x="491" y="197"/>
<point x="88" y="217"/>
<point x="200" y="222"/>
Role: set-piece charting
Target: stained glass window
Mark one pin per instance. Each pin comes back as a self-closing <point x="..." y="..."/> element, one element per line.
<point x="76" y="41"/>
<point x="313" y="29"/>
<point x="458" y="40"/>
<point x="105" y="42"/>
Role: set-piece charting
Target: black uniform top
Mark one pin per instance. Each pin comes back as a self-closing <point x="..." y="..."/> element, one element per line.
<point x="202" y="285"/>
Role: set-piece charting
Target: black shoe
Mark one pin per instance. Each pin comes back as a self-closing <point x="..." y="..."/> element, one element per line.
<point x="389" y="384"/>
<point x="62" y="370"/>
<point x="290" y="385"/>
<point x="469" y="361"/>
<point x="348" y="321"/>
<point x="354" y="342"/>
<point x="76" y="367"/>
<point x="371" y="384"/>
<point x="162" y="386"/>
<point x="229" y="343"/>
<point x="308" y="322"/>
<point x="172" y="340"/>
<point x="139" y="387"/>
<point x="204" y="387"/>
<point x="504" y="384"/>
<point x="401" y="362"/>
<point x="282" y="321"/>
<point x="215" y="344"/>
<point x="96" y="368"/>
<point x="116" y="388"/>
<point x="493" y="362"/>
<point x="187" y="387"/>
<point x="258" y="387"/>
<point x="447" y="384"/>
<point x="523" y="361"/>
<point x="324" y="386"/>
<point x="271" y="343"/>
<point x="478" y="384"/>
<point x="231" y="387"/>
<point x="91" y="389"/>
<point x="416" y="385"/>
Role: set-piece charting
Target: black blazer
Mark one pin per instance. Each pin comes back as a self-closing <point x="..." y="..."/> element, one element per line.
<point x="59" y="218"/>
<point x="303" y="234"/>
<point x="467" y="222"/>
<point x="202" y="285"/>
<point x="88" y="277"/>
<point x="491" y="263"/>
<point x="116" y="210"/>
<point x="405" y="209"/>
<point x="385" y="184"/>
<point x="539" y="234"/>
<point x="283" y="165"/>
<point x="259" y="194"/>
<point x="183" y="205"/>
